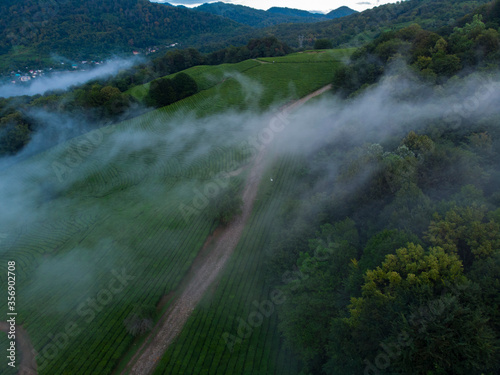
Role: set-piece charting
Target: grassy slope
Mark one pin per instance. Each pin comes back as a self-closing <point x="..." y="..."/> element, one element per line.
<point x="124" y="213"/>
<point x="265" y="83"/>
<point x="312" y="56"/>
<point x="201" y="348"/>
<point x="206" y="76"/>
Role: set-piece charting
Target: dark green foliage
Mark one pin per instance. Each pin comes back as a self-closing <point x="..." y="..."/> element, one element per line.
<point x="273" y="16"/>
<point x="93" y="104"/>
<point x="161" y="93"/>
<point x="311" y="292"/>
<point x="14" y="133"/>
<point x="336" y="13"/>
<point x="323" y="44"/>
<point x="267" y="47"/>
<point x="340" y="12"/>
<point x="165" y="91"/>
<point x="227" y="203"/>
<point x="184" y="86"/>
<point x="419" y="284"/>
<point x="92" y="29"/>
<point x="357" y="28"/>
<point x="382" y="244"/>
<point x="486" y="273"/>
<point x="434" y="57"/>
<point x="450" y="334"/>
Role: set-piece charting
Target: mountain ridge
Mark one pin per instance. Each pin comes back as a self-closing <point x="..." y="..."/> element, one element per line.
<point x="273" y="16"/>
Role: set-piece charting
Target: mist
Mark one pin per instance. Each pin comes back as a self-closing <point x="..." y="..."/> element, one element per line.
<point x="374" y="116"/>
<point x="64" y="80"/>
<point x="396" y="105"/>
<point x="66" y="204"/>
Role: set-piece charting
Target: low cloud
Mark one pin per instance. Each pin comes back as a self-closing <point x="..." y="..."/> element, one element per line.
<point x="160" y="155"/>
<point x="64" y="80"/>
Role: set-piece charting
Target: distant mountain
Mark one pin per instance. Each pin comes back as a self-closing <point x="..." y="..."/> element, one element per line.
<point x="337" y="13"/>
<point x="274" y="16"/>
<point x="35" y="30"/>
<point x="294" y="12"/>
<point x="357" y="28"/>
<point x="242" y="14"/>
<point x="340" y="12"/>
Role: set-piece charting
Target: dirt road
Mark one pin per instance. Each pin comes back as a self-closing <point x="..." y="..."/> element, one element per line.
<point x="198" y="281"/>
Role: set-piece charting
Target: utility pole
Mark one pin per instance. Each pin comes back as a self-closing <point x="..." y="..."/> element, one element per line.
<point x="301" y="41"/>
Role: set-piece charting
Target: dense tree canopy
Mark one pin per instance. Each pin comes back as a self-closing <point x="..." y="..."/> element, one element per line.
<point x="94" y="29"/>
<point x="414" y="289"/>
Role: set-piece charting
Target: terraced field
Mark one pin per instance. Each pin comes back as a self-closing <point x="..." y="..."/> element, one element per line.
<point x="234" y="329"/>
<point x="257" y="84"/>
<point x="206" y="76"/>
<point x="312" y="56"/>
<point x="123" y="218"/>
<point x="111" y="222"/>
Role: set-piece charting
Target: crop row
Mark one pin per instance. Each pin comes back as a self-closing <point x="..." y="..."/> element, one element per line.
<point x="201" y="347"/>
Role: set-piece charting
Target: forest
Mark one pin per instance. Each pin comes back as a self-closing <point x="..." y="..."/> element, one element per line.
<point x="273" y="16"/>
<point x="37" y="32"/>
<point x="93" y="29"/>
<point x="358" y="29"/>
<point x="394" y="266"/>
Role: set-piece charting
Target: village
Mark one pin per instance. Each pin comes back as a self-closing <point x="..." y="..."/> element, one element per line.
<point x="23" y="76"/>
<point x="28" y="74"/>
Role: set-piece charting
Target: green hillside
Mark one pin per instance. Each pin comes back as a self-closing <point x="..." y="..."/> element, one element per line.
<point x="273" y="16"/>
<point x="270" y="81"/>
<point x="209" y="343"/>
<point x="117" y="209"/>
<point x="206" y="76"/>
<point x="93" y="29"/>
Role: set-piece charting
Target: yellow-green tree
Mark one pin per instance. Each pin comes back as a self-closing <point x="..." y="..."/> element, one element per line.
<point x="467" y="232"/>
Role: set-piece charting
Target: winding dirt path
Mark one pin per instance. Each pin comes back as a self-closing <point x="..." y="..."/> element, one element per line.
<point x="27" y="366"/>
<point x="261" y="61"/>
<point x="202" y="275"/>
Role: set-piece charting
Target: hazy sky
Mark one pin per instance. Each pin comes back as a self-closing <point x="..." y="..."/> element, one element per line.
<point x="315" y="5"/>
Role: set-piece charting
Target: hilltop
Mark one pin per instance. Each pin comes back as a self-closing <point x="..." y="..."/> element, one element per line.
<point x="273" y="16"/>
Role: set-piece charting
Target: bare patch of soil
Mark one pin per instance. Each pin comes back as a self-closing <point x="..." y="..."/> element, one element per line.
<point x="204" y="270"/>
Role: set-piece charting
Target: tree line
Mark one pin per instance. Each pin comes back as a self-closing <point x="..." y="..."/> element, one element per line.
<point x="393" y="267"/>
<point x="104" y="101"/>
